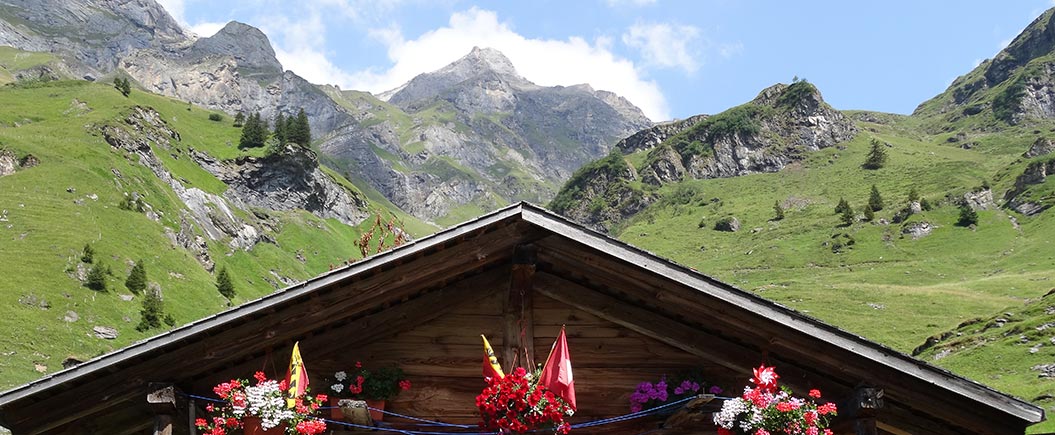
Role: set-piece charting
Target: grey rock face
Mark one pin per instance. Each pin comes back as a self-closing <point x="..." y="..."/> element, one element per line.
<point x="1035" y="173"/>
<point x="288" y="180"/>
<point x="1041" y="147"/>
<point x="653" y="136"/>
<point x="246" y="44"/>
<point x="92" y="34"/>
<point x="8" y="162"/>
<point x="918" y="229"/>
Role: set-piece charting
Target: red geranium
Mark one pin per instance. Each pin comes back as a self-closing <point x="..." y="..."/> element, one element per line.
<point x="265" y="399"/>
<point x="516" y="403"/>
<point x="766" y="409"/>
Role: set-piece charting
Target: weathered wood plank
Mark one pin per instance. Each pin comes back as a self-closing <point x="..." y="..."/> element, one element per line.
<point x="518" y="332"/>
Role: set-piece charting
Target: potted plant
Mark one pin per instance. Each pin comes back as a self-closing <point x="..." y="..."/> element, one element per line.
<point x="649" y="395"/>
<point x="261" y="409"/>
<point x="376" y="387"/>
<point x="516" y="403"/>
<point x="766" y="409"/>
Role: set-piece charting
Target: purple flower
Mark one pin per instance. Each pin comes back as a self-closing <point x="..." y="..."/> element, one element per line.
<point x="715" y="390"/>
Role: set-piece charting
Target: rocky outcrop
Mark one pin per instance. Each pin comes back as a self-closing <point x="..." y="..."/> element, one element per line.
<point x="1041" y="147"/>
<point x="287" y="180"/>
<point x="917" y="230"/>
<point x="765" y="135"/>
<point x="653" y="136"/>
<point x="8" y="162"/>
<point x="143" y="129"/>
<point x="1018" y="197"/>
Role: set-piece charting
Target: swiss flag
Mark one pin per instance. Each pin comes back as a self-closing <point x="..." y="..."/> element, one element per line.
<point x="556" y="375"/>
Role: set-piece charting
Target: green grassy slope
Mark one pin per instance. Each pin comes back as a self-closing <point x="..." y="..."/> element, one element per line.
<point x="887" y="286"/>
<point x="71" y="198"/>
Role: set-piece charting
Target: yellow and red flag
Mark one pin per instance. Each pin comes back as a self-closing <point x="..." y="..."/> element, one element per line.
<point x="296" y="377"/>
<point x="556" y="374"/>
<point x="491" y="367"/>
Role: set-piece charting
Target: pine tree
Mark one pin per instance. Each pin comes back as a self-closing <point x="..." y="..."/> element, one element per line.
<point x="88" y="254"/>
<point x="280" y="129"/>
<point x="239" y="119"/>
<point x="913" y="195"/>
<point x="137" y="278"/>
<point x="778" y="211"/>
<point x="152" y="312"/>
<point x="254" y="132"/>
<point x="847" y="216"/>
<point x="875" y="201"/>
<point x="968" y="216"/>
<point x="876" y="156"/>
<point x="96" y="279"/>
<point x="842" y="206"/>
<point x="224" y="284"/>
<point x="300" y="132"/>
<point x="869" y="214"/>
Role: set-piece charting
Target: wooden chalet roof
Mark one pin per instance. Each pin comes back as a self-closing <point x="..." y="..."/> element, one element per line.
<point x="589" y="271"/>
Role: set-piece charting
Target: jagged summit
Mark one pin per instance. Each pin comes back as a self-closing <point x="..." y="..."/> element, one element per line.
<point x="483" y="68"/>
<point x="246" y="43"/>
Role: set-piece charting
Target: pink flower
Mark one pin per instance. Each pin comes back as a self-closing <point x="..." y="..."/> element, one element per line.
<point x="816" y="394"/>
<point x="761" y="431"/>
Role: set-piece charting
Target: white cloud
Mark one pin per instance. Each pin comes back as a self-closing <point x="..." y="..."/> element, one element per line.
<point x="175" y="8"/>
<point x="546" y="62"/>
<point x="206" y="29"/>
<point x="666" y="45"/>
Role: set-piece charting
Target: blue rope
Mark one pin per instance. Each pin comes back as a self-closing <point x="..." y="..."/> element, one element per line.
<point x="430" y="422"/>
<point x="632" y="415"/>
<point x="402" y="431"/>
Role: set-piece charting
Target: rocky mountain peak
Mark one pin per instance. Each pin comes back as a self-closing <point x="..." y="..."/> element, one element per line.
<point x="485" y="69"/>
<point x="1038" y="39"/>
<point x="246" y="43"/>
<point x="483" y="59"/>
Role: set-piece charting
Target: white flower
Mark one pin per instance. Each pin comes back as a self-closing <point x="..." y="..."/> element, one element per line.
<point x="340" y="376"/>
<point x="337" y="388"/>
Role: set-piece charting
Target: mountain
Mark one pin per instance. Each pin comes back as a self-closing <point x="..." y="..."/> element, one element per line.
<point x="452" y="143"/>
<point x="766" y="134"/>
<point x="474" y="135"/>
<point x="148" y="179"/>
<point x="750" y="195"/>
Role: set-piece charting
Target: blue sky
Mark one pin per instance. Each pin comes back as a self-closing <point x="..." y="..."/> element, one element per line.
<point x="672" y="59"/>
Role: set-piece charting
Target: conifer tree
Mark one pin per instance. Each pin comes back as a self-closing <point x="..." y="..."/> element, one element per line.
<point x="280" y="133"/>
<point x="87" y="254"/>
<point x="913" y="195"/>
<point x="869" y="214"/>
<point x="300" y="131"/>
<point x="239" y="119"/>
<point x="876" y="156"/>
<point x="152" y="312"/>
<point x="778" y="211"/>
<point x="875" y="200"/>
<point x="968" y="216"/>
<point x="842" y="206"/>
<point x="847" y="216"/>
<point x="96" y="279"/>
<point x="123" y="85"/>
<point x="254" y="132"/>
<point x="137" y="278"/>
<point x="224" y="284"/>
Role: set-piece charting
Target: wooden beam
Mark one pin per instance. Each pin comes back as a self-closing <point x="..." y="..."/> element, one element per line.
<point x="518" y="344"/>
<point x="162" y="400"/>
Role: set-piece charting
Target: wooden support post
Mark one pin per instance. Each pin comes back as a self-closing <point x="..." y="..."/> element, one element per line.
<point x="857" y="413"/>
<point x="162" y="400"/>
<point x="519" y="337"/>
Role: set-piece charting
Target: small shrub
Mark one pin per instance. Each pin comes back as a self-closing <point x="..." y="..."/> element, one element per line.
<point x="88" y="254"/>
<point x="132" y="204"/>
<point x="925" y="205"/>
<point x="215" y="117"/>
<point x="847" y="216"/>
<point x="778" y="211"/>
<point x="842" y="206"/>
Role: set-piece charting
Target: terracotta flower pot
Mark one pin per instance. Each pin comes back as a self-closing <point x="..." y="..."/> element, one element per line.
<point x="251" y="426"/>
<point x="378" y="405"/>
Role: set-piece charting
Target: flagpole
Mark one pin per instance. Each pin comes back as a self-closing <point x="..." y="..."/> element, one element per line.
<point x="553" y="346"/>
